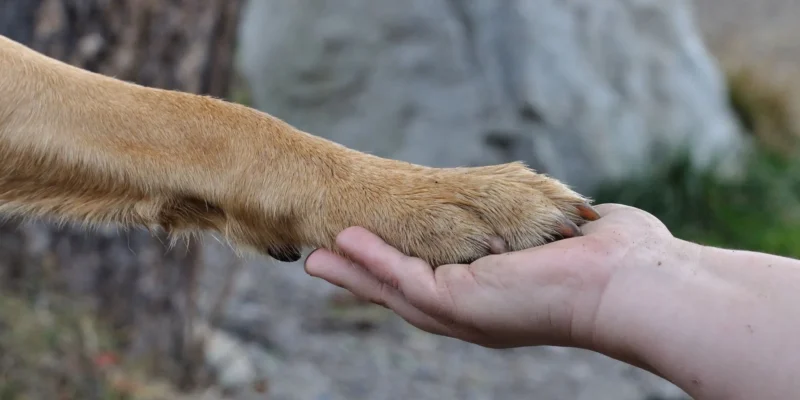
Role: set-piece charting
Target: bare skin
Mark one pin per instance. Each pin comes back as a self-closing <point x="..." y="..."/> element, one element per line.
<point x="720" y="324"/>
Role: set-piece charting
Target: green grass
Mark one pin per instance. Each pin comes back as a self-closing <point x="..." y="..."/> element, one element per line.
<point x="759" y="213"/>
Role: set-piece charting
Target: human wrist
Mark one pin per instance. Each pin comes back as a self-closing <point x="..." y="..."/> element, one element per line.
<point x="651" y="283"/>
<point x="718" y="323"/>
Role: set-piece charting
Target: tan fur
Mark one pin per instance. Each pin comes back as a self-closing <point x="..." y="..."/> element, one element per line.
<point x="83" y="147"/>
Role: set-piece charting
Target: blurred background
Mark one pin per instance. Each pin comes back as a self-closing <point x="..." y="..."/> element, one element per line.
<point x="687" y="109"/>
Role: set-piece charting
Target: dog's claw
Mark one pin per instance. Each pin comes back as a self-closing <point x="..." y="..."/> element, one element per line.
<point x="568" y="229"/>
<point x="497" y="246"/>
<point x="588" y="213"/>
<point x="285" y="254"/>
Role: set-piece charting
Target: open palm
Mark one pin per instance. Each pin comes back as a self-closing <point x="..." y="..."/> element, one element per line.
<point x="547" y="295"/>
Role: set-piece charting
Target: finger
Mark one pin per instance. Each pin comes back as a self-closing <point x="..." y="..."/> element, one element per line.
<point x="413" y="277"/>
<point x="421" y="320"/>
<point x="609" y="208"/>
<point x="343" y="273"/>
<point x="622" y="218"/>
<point x="381" y="259"/>
<point x="610" y="213"/>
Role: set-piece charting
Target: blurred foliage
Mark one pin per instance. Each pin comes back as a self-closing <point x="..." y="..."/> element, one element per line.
<point x="53" y="348"/>
<point x="764" y="109"/>
<point x="240" y="91"/>
<point x="760" y="212"/>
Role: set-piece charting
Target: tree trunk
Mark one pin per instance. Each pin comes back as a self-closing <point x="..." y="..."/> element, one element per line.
<point x="138" y="284"/>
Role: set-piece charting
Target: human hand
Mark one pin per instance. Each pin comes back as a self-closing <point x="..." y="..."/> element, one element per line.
<point x="547" y="295"/>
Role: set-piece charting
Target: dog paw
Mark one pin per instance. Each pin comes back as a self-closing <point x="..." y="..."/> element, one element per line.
<point x="457" y="215"/>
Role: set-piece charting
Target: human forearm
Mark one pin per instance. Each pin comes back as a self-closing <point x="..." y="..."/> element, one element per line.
<point x="719" y="323"/>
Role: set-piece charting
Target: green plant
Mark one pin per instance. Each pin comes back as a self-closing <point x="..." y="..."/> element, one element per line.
<point x="761" y="212"/>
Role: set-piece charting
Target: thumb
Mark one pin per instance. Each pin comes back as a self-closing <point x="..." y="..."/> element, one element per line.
<point x="412" y="277"/>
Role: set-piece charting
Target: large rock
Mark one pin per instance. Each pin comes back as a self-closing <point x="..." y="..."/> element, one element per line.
<point x="584" y="90"/>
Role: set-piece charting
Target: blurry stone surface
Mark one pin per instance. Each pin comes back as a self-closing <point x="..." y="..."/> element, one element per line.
<point x="583" y="90"/>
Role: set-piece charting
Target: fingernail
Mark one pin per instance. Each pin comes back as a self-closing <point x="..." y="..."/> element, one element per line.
<point x="285" y="254"/>
<point x="309" y="266"/>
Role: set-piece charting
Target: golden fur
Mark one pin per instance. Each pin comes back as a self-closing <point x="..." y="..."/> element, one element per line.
<point x="88" y="148"/>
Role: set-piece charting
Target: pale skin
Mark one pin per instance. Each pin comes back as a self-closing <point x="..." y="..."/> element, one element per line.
<point x="720" y="324"/>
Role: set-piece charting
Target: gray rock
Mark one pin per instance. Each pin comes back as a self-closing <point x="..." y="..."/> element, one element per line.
<point x="584" y="90"/>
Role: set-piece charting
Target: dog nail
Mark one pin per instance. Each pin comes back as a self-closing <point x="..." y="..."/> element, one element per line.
<point x="285" y="253"/>
<point x="588" y="213"/>
<point x="568" y="229"/>
<point x="497" y="245"/>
